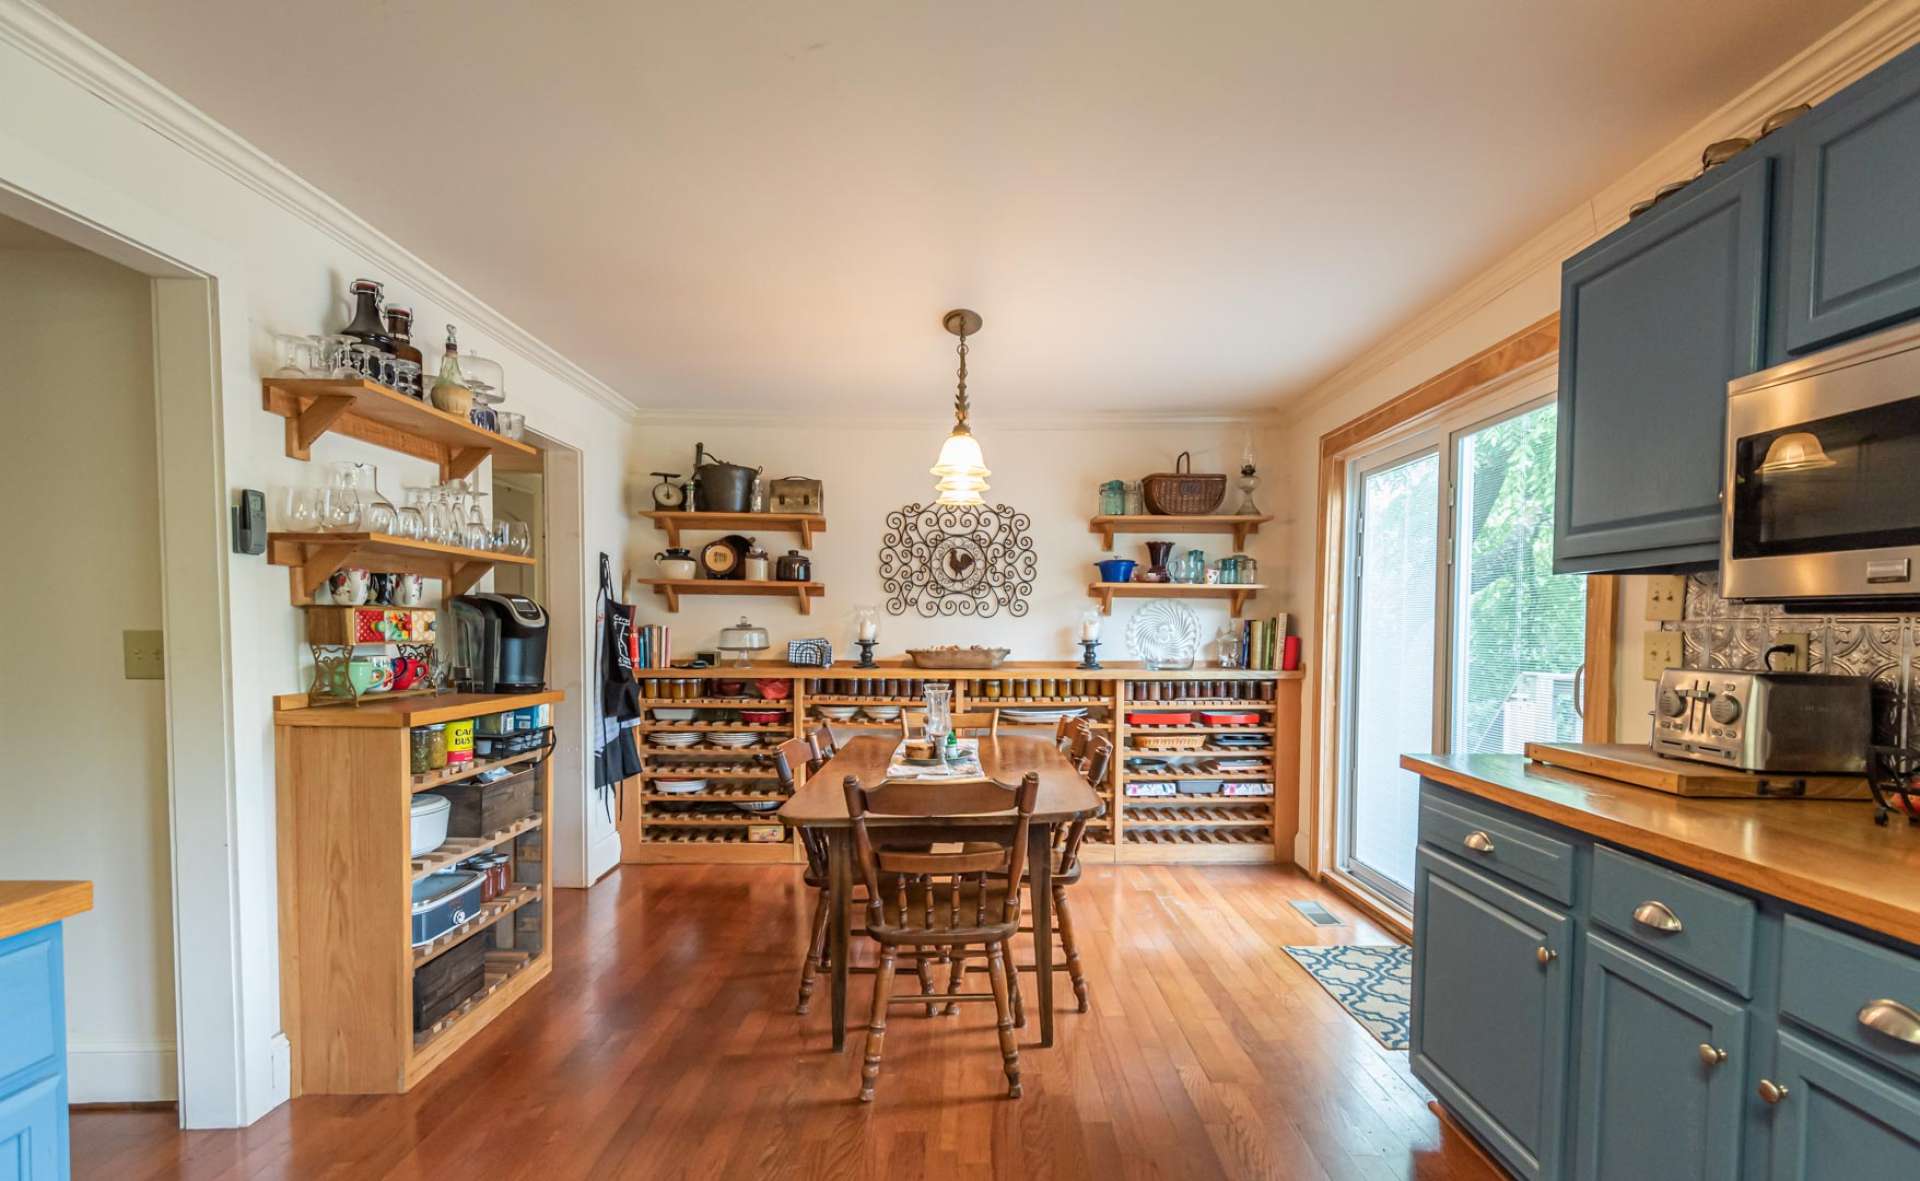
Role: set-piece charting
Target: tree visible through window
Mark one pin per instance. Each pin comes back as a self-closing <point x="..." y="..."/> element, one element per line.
<point x="1519" y="628"/>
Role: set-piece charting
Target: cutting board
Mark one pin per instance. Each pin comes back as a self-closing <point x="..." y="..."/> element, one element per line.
<point x="1638" y="765"/>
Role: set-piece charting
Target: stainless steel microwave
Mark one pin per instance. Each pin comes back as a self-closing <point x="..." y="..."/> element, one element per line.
<point x="1821" y="496"/>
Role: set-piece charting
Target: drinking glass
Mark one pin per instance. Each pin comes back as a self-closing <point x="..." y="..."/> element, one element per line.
<point x="411" y="519"/>
<point x="300" y="509"/>
<point x="406" y="376"/>
<point x="295" y="354"/>
<point x="336" y="356"/>
<point x="380" y="515"/>
<point x="519" y="538"/>
<point x="364" y="360"/>
<point x="479" y="533"/>
<point x="342" y="512"/>
<point x="443" y="522"/>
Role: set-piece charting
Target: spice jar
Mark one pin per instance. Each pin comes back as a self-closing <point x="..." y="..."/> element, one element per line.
<point x="420" y="750"/>
<point x="460" y="742"/>
<point x="437" y="745"/>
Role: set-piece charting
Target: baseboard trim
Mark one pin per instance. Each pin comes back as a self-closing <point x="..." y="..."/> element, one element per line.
<point x="1377" y="909"/>
<point x="122" y="1073"/>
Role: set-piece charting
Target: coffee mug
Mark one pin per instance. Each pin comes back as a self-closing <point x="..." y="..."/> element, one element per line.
<point x="380" y="589"/>
<point x="350" y="585"/>
<point x="408" y="589"/>
<point x="371" y="674"/>
<point x="407" y="671"/>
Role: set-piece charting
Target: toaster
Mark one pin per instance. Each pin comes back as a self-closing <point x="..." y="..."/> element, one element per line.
<point x="1764" y="721"/>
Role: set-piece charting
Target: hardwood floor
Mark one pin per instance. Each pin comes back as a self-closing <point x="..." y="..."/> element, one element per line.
<point x="665" y="1045"/>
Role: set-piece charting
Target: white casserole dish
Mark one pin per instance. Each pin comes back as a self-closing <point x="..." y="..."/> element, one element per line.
<point x="430" y="816"/>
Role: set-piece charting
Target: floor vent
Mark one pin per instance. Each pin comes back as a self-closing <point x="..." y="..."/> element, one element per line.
<point x="1317" y="914"/>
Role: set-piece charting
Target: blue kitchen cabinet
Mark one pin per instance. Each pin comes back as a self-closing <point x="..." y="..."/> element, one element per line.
<point x="33" y="1057"/>
<point x="1853" y="237"/>
<point x="1492" y="995"/>
<point x="1654" y="321"/>
<point x="1662" y="1062"/>
<point x="1837" y="1119"/>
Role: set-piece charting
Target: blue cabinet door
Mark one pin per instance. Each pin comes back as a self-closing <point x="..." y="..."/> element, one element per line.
<point x="1840" y="1119"/>
<point x="1492" y="990"/>
<point x="33" y="1124"/>
<point x="1854" y="236"/>
<point x="1654" y="321"/>
<point x="1652" y="1103"/>
<point x="33" y="1057"/>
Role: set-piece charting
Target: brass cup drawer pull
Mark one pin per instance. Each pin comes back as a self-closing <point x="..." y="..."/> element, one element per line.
<point x="1711" y="1055"/>
<point x="1659" y="916"/>
<point x="1771" y="1091"/>
<point x="1479" y="842"/>
<point x="1893" y="1019"/>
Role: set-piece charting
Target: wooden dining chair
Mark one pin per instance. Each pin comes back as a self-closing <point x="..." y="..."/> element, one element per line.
<point x="820" y="741"/>
<point x="921" y="900"/>
<point x="1064" y="727"/>
<point x="982" y="723"/>
<point x="793" y="764"/>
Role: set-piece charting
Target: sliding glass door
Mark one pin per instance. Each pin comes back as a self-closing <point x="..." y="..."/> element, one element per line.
<point x="1459" y="637"/>
<point x="1391" y="650"/>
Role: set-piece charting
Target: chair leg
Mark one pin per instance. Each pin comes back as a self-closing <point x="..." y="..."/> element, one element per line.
<point x="956" y="973"/>
<point x="998" y="970"/>
<point x="1013" y="989"/>
<point x="1064" y="919"/>
<point x="877" y="1024"/>
<point x="816" y="961"/>
<point x="923" y="966"/>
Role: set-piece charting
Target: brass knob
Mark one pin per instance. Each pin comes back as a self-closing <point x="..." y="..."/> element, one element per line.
<point x="1479" y="842"/>
<point x="1711" y="1055"/>
<point x="1545" y="955"/>
<point x="1771" y="1091"/>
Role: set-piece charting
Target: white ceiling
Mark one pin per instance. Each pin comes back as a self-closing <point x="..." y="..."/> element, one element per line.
<point x="1193" y="206"/>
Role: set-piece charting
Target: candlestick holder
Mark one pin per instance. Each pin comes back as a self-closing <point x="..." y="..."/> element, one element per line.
<point x="866" y="653"/>
<point x="1089" y="660"/>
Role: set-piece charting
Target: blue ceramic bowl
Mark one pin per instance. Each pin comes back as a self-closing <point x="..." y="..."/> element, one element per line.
<point x="1117" y="569"/>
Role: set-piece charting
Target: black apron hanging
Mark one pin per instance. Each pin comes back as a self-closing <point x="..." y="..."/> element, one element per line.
<point x="615" y="756"/>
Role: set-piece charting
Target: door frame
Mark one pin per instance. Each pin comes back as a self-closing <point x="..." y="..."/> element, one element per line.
<point x="1522" y="357"/>
<point x="226" y="1077"/>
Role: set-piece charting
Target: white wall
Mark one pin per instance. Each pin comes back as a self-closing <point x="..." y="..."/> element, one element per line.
<point x="1051" y="473"/>
<point x="1517" y="291"/>
<point x="84" y="134"/>
<point x="86" y="748"/>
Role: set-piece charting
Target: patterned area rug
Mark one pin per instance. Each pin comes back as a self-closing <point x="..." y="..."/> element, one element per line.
<point x="1375" y="984"/>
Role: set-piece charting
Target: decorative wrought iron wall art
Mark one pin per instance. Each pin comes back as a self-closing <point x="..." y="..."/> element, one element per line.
<point x="944" y="560"/>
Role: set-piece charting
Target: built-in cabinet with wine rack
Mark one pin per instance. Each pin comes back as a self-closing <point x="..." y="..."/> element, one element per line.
<point x="707" y="791"/>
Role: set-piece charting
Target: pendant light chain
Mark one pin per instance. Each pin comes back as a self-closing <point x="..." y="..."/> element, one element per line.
<point x="960" y="405"/>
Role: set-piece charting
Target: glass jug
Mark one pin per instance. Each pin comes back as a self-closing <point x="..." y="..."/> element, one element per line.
<point x="939" y="713"/>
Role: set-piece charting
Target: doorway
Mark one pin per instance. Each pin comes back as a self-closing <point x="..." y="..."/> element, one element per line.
<point x="83" y="696"/>
<point x="1458" y="636"/>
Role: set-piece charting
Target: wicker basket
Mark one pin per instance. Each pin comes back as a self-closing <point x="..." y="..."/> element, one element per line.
<point x="1168" y="741"/>
<point x="1180" y="493"/>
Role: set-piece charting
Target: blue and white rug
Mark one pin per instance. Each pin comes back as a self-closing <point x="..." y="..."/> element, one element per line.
<point x="1375" y="984"/>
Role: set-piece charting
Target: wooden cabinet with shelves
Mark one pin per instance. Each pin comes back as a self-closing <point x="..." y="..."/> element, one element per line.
<point x="346" y="872"/>
<point x="660" y="827"/>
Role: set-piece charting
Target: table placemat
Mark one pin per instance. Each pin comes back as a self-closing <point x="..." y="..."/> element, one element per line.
<point x="967" y="768"/>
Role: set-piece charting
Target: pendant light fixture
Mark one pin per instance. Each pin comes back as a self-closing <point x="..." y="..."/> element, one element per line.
<point x="961" y="469"/>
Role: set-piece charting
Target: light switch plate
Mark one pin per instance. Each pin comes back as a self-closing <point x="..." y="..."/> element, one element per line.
<point x="1666" y="596"/>
<point x="145" y="654"/>
<point x="1659" y="651"/>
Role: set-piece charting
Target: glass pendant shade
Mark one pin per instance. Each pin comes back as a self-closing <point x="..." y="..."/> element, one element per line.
<point x="962" y="471"/>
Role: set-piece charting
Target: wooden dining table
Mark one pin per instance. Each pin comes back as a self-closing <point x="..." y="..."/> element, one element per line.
<point x="821" y="803"/>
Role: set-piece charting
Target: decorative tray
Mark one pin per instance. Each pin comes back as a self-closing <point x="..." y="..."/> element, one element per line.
<point x="958" y="657"/>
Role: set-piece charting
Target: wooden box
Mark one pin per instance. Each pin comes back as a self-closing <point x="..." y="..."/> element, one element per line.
<point x="441" y="984"/>
<point x="483" y="808"/>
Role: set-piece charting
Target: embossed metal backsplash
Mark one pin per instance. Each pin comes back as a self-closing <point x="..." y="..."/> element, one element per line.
<point x="1716" y="633"/>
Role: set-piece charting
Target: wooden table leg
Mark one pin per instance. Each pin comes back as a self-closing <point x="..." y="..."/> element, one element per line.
<point x="840" y="890"/>
<point x="1040" y="885"/>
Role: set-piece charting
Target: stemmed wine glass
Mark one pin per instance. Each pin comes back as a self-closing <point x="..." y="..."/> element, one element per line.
<point x="380" y="515"/>
<point x="410" y="521"/>
<point x="341" y="511"/>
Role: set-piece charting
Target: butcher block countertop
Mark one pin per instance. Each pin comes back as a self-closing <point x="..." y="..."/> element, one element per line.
<point x="27" y="905"/>
<point x="1826" y="855"/>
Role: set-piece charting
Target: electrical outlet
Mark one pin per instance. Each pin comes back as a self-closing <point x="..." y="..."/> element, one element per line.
<point x="1659" y="651"/>
<point x="1666" y="597"/>
<point x="145" y="654"/>
<point x="1795" y="660"/>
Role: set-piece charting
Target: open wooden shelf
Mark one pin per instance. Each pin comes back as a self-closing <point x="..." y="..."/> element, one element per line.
<point x="1194" y="815"/>
<point x="506" y="977"/>
<point x="1240" y="527"/>
<point x="441" y="778"/>
<point x="713" y="703"/>
<point x="490" y="913"/>
<point x="457" y="849"/>
<point x="1236" y="593"/>
<point x="312" y="557"/>
<point x="800" y="525"/>
<point x="802" y="593"/>
<point x="372" y="413"/>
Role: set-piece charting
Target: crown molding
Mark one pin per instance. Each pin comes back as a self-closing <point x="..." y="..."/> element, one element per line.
<point x="79" y="59"/>
<point x="667" y="418"/>
<point x="1856" y="47"/>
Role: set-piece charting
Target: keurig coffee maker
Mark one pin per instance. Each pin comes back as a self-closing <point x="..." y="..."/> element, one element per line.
<point x="499" y="644"/>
